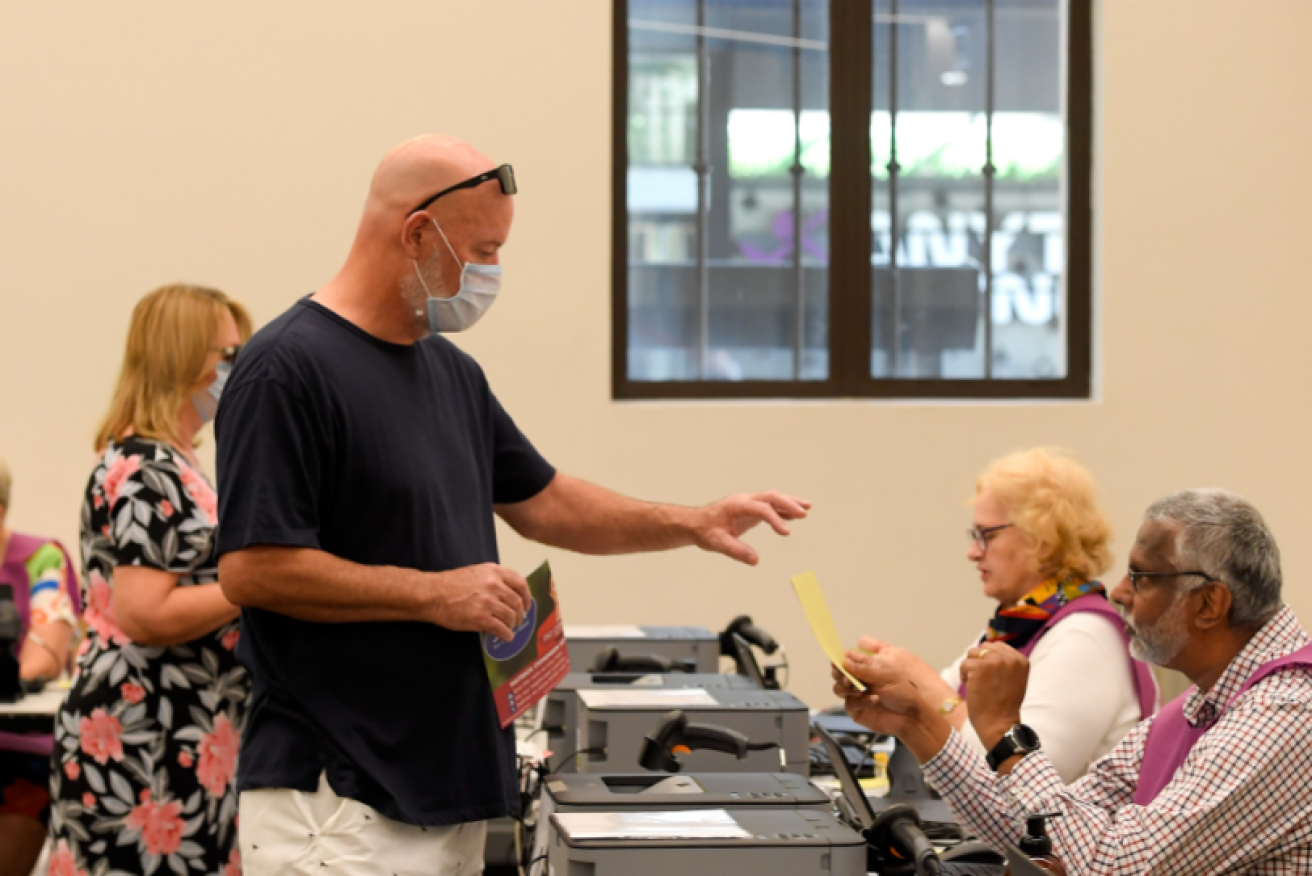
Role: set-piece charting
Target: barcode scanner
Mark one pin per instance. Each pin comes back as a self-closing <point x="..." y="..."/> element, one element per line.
<point x="743" y="626"/>
<point x="675" y="735"/>
<point x="611" y="660"/>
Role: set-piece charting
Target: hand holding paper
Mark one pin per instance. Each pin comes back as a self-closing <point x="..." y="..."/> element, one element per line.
<point x="822" y="622"/>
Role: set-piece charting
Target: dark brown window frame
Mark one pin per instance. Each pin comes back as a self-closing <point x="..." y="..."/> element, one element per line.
<point x="850" y="198"/>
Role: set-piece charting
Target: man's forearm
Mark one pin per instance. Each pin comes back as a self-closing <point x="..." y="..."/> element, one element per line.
<point x="926" y="732"/>
<point x="314" y="585"/>
<point x="583" y="517"/>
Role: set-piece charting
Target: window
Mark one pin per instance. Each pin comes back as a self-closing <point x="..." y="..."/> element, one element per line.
<point x="852" y="198"/>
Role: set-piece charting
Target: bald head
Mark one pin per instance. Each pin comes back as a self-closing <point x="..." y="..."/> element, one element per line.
<point x="397" y="246"/>
<point x="418" y="169"/>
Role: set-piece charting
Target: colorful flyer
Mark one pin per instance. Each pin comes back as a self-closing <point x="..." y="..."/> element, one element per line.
<point x="525" y="669"/>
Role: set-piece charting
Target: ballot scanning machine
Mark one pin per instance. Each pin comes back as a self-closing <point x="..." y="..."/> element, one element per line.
<point x="654" y="792"/>
<point x="613" y="724"/>
<point x="560" y="714"/>
<point x="696" y="649"/>
<point x="703" y="842"/>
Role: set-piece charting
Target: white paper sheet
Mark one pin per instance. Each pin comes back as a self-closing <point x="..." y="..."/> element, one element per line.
<point x="586" y="631"/>
<point x="658" y="699"/>
<point x="695" y="824"/>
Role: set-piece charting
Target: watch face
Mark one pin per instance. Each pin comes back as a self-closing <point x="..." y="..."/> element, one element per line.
<point x="1028" y="739"/>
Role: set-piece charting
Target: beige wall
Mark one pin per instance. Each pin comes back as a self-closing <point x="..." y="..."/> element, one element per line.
<point x="230" y="144"/>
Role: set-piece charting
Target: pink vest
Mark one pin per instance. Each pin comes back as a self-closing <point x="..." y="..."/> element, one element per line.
<point x="1145" y="686"/>
<point x="1171" y="738"/>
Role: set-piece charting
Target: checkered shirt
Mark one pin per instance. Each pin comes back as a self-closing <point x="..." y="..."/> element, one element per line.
<point x="1241" y="802"/>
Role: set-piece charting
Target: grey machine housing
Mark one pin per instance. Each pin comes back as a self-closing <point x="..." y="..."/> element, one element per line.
<point x="612" y="725"/>
<point x="561" y="713"/>
<point x="650" y="792"/>
<point x="780" y="842"/>
<point x="677" y="643"/>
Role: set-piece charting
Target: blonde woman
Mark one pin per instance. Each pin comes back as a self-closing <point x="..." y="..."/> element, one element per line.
<point x="1039" y="542"/>
<point x="146" y="743"/>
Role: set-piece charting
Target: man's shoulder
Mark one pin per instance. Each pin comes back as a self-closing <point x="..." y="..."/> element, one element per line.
<point x="455" y="361"/>
<point x="284" y="348"/>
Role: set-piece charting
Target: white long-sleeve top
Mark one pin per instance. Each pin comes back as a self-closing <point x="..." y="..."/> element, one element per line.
<point x="1080" y="698"/>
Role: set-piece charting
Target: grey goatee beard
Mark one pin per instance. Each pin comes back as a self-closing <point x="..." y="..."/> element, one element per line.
<point x="1160" y="643"/>
<point x="415" y="298"/>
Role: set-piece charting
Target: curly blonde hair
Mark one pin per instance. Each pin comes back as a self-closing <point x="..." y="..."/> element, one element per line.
<point x="1052" y="500"/>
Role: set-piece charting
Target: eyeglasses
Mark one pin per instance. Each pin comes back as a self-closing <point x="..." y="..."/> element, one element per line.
<point x="982" y="535"/>
<point x="227" y="354"/>
<point x="504" y="174"/>
<point x="1137" y="577"/>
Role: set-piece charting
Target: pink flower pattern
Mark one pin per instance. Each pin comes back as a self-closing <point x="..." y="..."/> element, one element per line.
<point x="122" y="468"/>
<point x="146" y="506"/>
<point x="100" y="735"/>
<point x="160" y="824"/>
<point x="201" y="492"/>
<point x="99" y="612"/>
<point x="62" y="862"/>
<point x="218" y="756"/>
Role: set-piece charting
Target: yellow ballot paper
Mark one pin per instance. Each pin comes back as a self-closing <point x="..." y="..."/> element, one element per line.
<point x="822" y="622"/>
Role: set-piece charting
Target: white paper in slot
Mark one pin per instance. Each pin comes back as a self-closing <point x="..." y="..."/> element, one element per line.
<point x="627" y="698"/>
<point x="695" y="824"/>
<point x="585" y="631"/>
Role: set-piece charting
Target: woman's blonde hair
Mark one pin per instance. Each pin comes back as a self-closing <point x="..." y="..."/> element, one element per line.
<point x="1052" y="500"/>
<point x="173" y="330"/>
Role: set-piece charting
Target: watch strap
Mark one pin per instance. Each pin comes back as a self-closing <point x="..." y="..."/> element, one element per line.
<point x="1007" y="746"/>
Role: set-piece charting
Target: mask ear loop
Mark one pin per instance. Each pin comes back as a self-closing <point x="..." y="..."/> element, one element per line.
<point x="463" y="265"/>
<point x="451" y="249"/>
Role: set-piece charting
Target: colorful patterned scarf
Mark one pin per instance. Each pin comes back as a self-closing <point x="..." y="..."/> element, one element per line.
<point x="1016" y="624"/>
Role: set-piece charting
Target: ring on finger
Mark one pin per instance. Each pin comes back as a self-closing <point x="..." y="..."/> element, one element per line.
<point x="982" y="652"/>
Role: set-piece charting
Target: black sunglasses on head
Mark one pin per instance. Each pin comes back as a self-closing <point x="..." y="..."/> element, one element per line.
<point x="504" y="174"/>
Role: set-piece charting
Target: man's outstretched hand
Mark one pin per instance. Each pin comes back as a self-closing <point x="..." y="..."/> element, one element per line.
<point x="719" y="526"/>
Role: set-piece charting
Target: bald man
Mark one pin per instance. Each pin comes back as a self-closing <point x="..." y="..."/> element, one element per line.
<point x="362" y="457"/>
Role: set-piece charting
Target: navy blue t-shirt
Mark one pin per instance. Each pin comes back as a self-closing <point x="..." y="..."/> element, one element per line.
<point x="381" y="454"/>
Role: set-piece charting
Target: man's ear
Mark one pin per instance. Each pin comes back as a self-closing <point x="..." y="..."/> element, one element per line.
<point x="413" y="230"/>
<point x="1214" y="606"/>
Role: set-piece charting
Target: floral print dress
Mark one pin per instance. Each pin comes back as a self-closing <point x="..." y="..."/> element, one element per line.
<point x="144" y="766"/>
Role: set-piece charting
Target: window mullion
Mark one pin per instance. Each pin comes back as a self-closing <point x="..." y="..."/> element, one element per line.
<point x="850" y="100"/>
<point x="989" y="172"/>
<point x="702" y="168"/>
<point x="799" y="287"/>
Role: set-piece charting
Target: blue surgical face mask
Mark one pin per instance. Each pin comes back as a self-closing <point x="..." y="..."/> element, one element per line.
<point x="207" y="400"/>
<point x="479" y="285"/>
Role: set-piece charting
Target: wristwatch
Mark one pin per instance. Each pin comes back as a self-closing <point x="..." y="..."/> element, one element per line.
<point x="1020" y="739"/>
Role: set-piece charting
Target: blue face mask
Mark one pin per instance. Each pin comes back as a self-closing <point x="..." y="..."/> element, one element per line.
<point x="207" y="400"/>
<point x="479" y="285"/>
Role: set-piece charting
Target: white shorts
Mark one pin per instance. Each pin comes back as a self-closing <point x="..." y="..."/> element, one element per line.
<point x="292" y="832"/>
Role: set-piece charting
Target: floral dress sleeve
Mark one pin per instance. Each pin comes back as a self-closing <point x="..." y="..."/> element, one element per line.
<point x="161" y="515"/>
